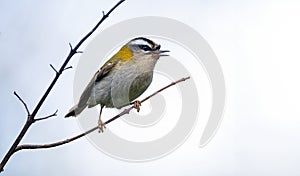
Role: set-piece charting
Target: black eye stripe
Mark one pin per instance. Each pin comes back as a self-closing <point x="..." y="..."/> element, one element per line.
<point x="145" y="47"/>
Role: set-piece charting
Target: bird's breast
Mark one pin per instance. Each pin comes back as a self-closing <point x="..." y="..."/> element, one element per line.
<point x="121" y="86"/>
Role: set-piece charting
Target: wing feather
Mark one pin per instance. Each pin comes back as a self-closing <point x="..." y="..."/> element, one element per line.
<point x="99" y="75"/>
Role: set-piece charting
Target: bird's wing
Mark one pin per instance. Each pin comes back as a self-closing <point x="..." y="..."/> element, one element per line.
<point x="104" y="70"/>
<point x="101" y="73"/>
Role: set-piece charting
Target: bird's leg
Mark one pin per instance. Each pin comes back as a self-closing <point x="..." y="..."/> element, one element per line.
<point x="101" y="125"/>
<point x="137" y="105"/>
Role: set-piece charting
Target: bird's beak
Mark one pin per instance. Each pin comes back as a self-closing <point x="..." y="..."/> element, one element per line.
<point x="163" y="51"/>
<point x="160" y="52"/>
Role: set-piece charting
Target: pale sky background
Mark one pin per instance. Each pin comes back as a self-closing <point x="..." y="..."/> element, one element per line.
<point x="257" y="45"/>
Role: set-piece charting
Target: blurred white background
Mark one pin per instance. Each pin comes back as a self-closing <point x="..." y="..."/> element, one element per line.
<point x="257" y="45"/>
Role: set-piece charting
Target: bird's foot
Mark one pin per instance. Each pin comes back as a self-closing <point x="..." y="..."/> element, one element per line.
<point x="137" y="105"/>
<point x="101" y="126"/>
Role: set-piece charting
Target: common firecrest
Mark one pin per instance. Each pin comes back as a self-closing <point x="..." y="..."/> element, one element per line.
<point x="123" y="78"/>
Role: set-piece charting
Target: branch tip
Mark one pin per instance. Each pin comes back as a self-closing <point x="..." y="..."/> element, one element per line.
<point x="68" y="68"/>
<point x="44" y="118"/>
<point x="71" y="47"/>
<point x="23" y="102"/>
<point x="53" y="68"/>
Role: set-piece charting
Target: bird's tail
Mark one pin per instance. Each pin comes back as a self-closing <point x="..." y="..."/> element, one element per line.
<point x="75" y="110"/>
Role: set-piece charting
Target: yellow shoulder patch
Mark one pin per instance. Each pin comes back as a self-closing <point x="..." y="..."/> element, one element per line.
<point x="124" y="54"/>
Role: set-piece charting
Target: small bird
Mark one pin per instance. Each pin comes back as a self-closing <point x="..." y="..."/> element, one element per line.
<point x="123" y="78"/>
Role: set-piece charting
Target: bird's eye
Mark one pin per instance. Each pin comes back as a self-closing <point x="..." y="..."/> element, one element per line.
<point x="145" y="47"/>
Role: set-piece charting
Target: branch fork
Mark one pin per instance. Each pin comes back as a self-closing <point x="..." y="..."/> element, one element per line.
<point x="31" y="116"/>
<point x="124" y="112"/>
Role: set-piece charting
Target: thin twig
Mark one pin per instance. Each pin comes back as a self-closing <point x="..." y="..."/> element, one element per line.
<point x="172" y="84"/>
<point x="100" y="22"/>
<point x="47" y="117"/>
<point x="125" y="111"/>
<point x="71" y="47"/>
<point x="22" y="101"/>
<point x="30" y="119"/>
<point x="55" y="144"/>
<point x="53" y="68"/>
<point x="68" y="68"/>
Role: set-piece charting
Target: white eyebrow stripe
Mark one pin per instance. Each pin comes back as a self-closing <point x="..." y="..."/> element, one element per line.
<point x="141" y="42"/>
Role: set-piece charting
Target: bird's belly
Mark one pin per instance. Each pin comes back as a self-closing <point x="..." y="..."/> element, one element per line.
<point x="120" y="87"/>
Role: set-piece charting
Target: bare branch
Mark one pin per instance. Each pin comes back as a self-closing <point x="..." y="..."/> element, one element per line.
<point x="55" y="144"/>
<point x="53" y="68"/>
<point x="68" y="68"/>
<point x="172" y="84"/>
<point x="30" y="119"/>
<point x="46" y="117"/>
<point x="73" y="51"/>
<point x="22" y="101"/>
<point x="100" y="22"/>
<point x="71" y="47"/>
<point x="125" y="111"/>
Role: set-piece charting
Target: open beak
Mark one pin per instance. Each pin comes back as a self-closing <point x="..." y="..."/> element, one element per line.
<point x="163" y="51"/>
<point x="160" y="52"/>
